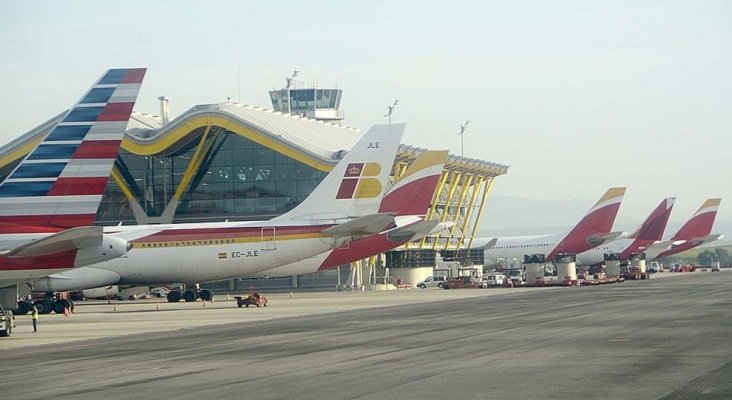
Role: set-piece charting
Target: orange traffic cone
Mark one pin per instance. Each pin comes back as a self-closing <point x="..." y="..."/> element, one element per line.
<point x="66" y="312"/>
<point x="157" y="306"/>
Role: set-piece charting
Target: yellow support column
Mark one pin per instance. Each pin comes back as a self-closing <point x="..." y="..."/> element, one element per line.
<point x="435" y="198"/>
<point x="486" y="191"/>
<point x="467" y="180"/>
<point x="122" y="185"/>
<point x="453" y="186"/>
<point x="193" y="165"/>
<point x="469" y="213"/>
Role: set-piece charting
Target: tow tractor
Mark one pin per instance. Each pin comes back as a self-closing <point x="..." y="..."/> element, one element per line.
<point x="255" y="299"/>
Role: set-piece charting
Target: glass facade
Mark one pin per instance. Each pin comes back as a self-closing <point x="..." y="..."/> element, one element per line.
<point x="237" y="179"/>
<point x="303" y="100"/>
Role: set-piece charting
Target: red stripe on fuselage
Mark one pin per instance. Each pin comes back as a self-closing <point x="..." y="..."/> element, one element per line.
<point x="78" y="186"/>
<point x="51" y="261"/>
<point x="97" y="149"/>
<point x="134" y="75"/>
<point x="227" y="233"/>
<point x="8" y="228"/>
<point x="116" y="112"/>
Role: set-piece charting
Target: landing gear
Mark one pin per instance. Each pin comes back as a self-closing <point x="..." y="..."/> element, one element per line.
<point x="174" y="296"/>
<point x="60" y="306"/>
<point x="24" y="307"/>
<point x="44" y="306"/>
<point x="190" y="296"/>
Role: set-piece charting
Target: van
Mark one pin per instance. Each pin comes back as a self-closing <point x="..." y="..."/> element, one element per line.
<point x="492" y="280"/>
<point x="432" y="281"/>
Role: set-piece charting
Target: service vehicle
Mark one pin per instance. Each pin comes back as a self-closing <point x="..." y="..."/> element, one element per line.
<point x="7" y="321"/>
<point x="255" y="299"/>
<point x="462" y="282"/>
<point x="432" y="281"/>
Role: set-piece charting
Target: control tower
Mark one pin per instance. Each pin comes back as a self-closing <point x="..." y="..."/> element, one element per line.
<point x="316" y="103"/>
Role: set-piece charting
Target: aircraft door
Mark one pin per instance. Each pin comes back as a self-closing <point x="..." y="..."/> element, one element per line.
<point x="269" y="240"/>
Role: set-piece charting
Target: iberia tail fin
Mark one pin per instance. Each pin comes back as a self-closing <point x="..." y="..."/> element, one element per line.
<point x="700" y="224"/>
<point x="654" y="226"/>
<point x="60" y="183"/>
<point x="597" y="223"/>
<point x="414" y="190"/>
<point x="355" y="187"/>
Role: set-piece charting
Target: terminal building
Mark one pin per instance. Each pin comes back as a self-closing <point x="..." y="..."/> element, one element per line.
<point x="231" y="161"/>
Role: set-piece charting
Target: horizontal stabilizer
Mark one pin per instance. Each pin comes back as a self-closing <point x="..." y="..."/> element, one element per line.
<point x="415" y="231"/>
<point x="660" y="246"/>
<point x="491" y="243"/>
<point x="597" y="240"/>
<point x="68" y="240"/>
<point x="698" y="241"/>
<point x="367" y="225"/>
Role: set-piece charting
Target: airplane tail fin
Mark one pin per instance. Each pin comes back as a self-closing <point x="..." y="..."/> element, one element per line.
<point x="598" y="221"/>
<point x="60" y="183"/>
<point x="413" y="192"/>
<point x="700" y="224"/>
<point x="654" y="226"/>
<point x="355" y="187"/>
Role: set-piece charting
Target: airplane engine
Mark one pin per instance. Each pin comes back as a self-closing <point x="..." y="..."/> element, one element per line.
<point x="110" y="248"/>
<point x="77" y="279"/>
<point x="101" y="292"/>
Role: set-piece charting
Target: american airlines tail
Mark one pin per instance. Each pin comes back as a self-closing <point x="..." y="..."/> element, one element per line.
<point x="355" y="187"/>
<point x="60" y="183"/>
<point x="49" y="201"/>
<point x="594" y="228"/>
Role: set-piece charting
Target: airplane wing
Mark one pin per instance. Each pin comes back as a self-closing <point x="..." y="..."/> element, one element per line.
<point x="68" y="240"/>
<point x="597" y="240"/>
<point x="367" y="225"/>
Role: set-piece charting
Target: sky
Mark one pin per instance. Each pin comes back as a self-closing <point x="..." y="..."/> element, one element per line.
<point x="576" y="96"/>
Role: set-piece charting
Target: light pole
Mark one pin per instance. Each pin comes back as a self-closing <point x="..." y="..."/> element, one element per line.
<point x="462" y="132"/>
<point x="391" y="109"/>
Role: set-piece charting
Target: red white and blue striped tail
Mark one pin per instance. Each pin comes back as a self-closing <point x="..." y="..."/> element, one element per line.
<point x="60" y="183"/>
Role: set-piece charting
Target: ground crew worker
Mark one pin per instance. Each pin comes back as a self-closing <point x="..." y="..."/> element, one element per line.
<point x="34" y="316"/>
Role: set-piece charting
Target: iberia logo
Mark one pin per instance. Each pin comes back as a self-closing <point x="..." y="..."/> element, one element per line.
<point x="359" y="182"/>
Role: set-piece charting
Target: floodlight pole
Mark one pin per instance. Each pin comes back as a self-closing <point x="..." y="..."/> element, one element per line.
<point x="462" y="131"/>
<point x="391" y="109"/>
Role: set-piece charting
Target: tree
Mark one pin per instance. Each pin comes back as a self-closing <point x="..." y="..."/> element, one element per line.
<point x="706" y="257"/>
<point x="722" y="255"/>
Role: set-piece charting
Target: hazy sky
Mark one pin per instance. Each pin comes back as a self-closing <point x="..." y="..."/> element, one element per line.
<point x="576" y="96"/>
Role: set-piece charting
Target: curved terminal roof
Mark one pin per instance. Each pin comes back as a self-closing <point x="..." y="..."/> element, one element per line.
<point x="318" y="144"/>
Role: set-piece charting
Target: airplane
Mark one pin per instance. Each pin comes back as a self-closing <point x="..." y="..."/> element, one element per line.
<point x="695" y="232"/>
<point x="343" y="207"/>
<point x="49" y="201"/>
<point x="649" y="233"/>
<point x="592" y="230"/>
<point x="408" y="199"/>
